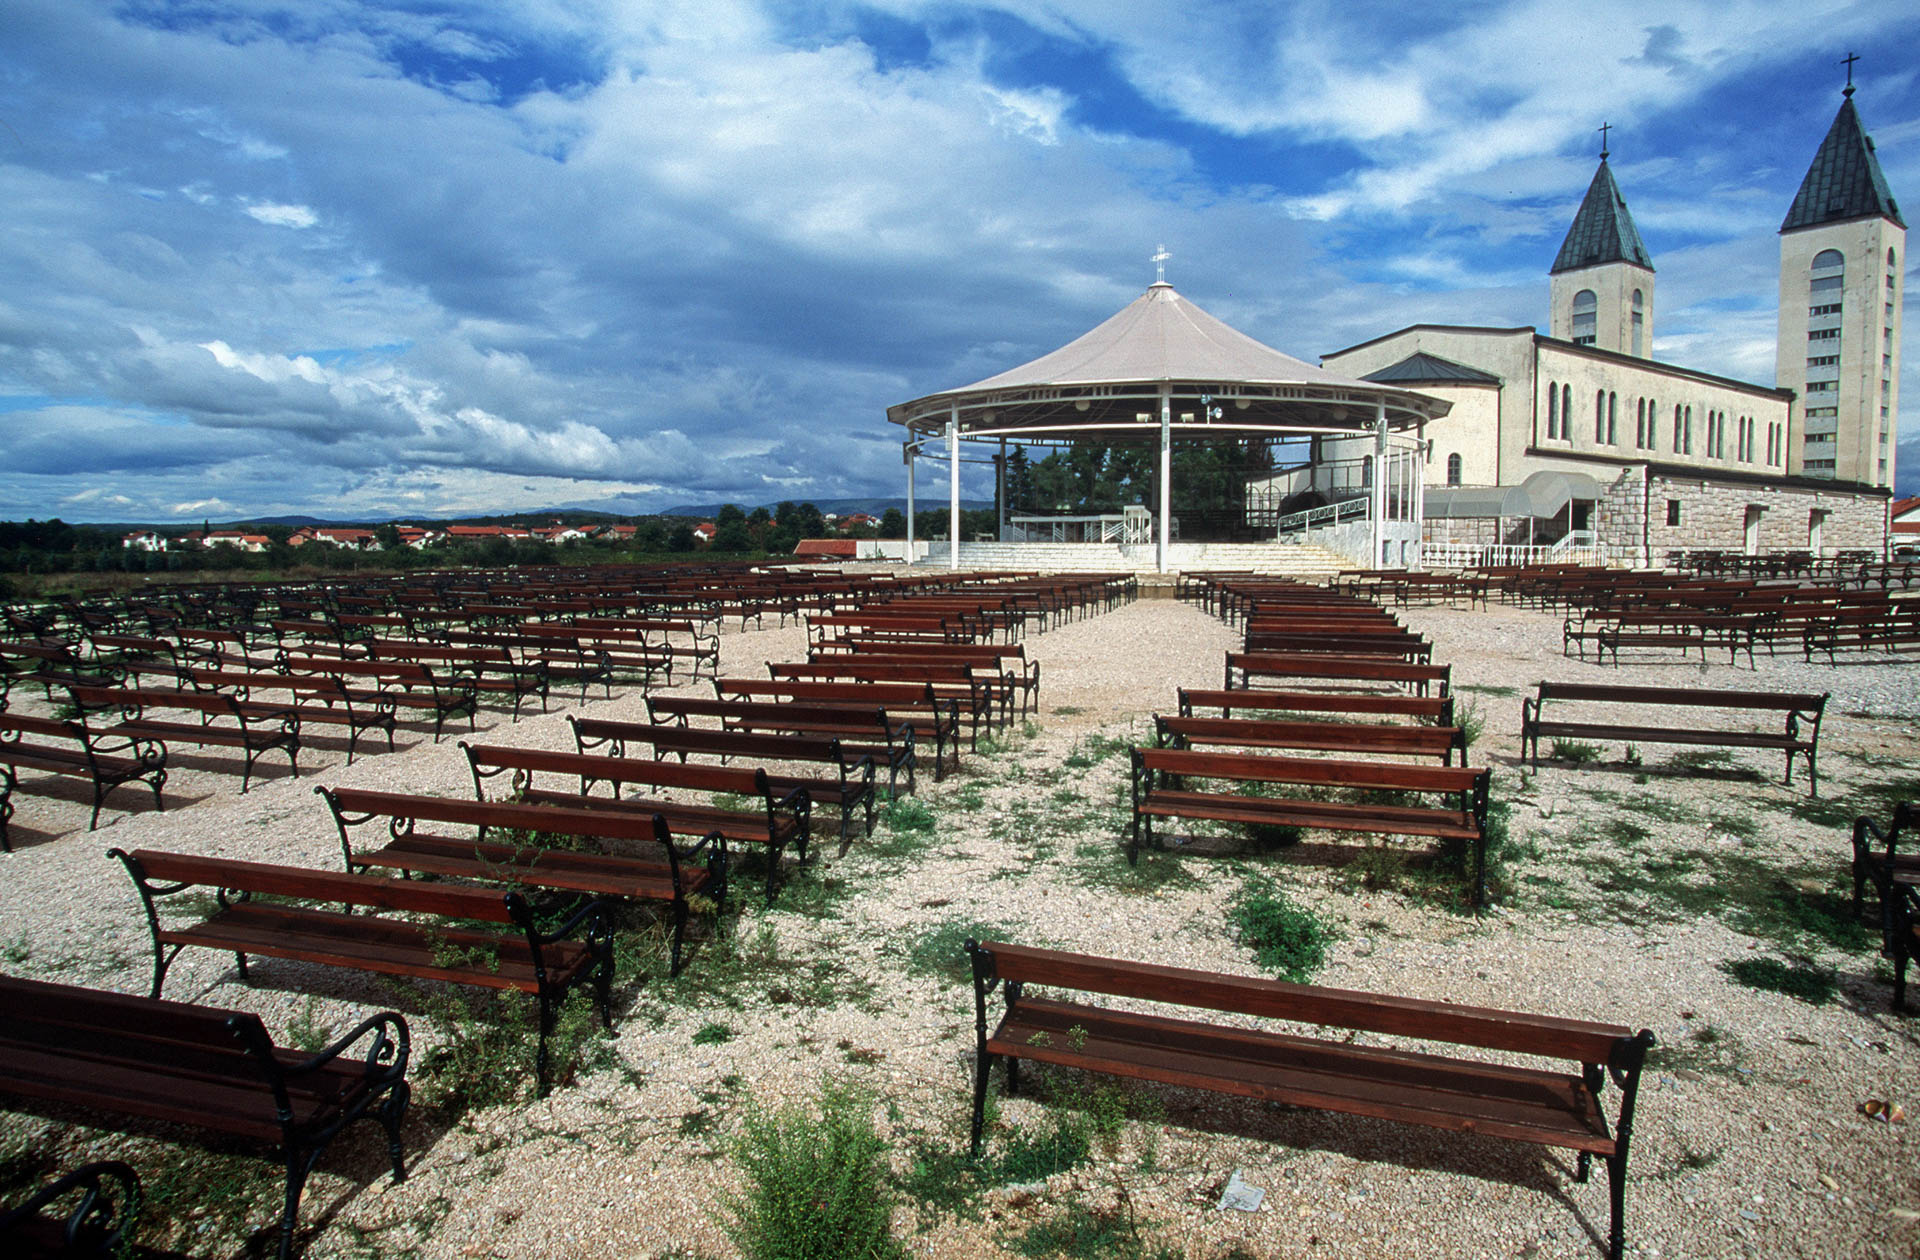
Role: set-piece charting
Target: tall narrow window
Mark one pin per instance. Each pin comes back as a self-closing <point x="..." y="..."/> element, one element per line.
<point x="1676" y="428"/>
<point x="1688" y="444"/>
<point x="1453" y="469"/>
<point x="1639" y="323"/>
<point x="1566" y="412"/>
<point x="1653" y="425"/>
<point x="1586" y="308"/>
<point x="1553" y="410"/>
<point x="1640" y="424"/>
<point x="1613" y="407"/>
<point x="1599" y="416"/>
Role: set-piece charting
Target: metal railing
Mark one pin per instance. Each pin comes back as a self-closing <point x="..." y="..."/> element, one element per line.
<point x="1326" y="514"/>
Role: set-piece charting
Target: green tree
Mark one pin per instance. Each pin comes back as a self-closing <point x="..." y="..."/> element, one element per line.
<point x="893" y="524"/>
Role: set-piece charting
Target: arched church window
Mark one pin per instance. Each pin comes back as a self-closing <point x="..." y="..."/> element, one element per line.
<point x="1599" y="416"/>
<point x="1613" y="407"/>
<point x="1586" y="309"/>
<point x="1453" y="469"/>
<point x="1826" y="283"/>
<point x="1566" y="412"/>
<point x="1653" y="424"/>
<point x="1553" y="410"/>
<point x="1640" y="424"/>
<point x="1639" y="321"/>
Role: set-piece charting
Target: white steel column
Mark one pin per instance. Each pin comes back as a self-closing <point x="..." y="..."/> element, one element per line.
<point x="1000" y="493"/>
<point x="953" y="487"/>
<point x="1420" y="496"/>
<point x="913" y="450"/>
<point x="1378" y="491"/>
<point x="1166" y="477"/>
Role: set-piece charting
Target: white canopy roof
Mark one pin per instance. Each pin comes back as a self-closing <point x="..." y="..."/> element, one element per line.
<point x="1160" y="340"/>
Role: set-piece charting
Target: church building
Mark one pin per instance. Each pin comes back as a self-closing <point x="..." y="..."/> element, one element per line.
<point x="1580" y="434"/>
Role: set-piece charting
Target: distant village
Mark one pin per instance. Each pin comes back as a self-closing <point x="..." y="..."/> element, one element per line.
<point x="847" y="529"/>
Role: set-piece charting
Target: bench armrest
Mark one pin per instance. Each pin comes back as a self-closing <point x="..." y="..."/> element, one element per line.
<point x="385" y="1056"/>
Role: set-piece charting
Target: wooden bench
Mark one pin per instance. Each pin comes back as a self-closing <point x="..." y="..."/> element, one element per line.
<point x="516" y="856"/>
<point x="318" y="701"/>
<point x="1684" y="628"/>
<point x="783" y="819"/>
<point x="1554" y="1107"/>
<point x="1004" y="663"/>
<point x="256" y="729"/>
<point x="1355" y="738"/>
<point x="1877" y="858"/>
<point x="1435" y="709"/>
<point x="434" y="942"/>
<point x="850" y="790"/>
<point x="1418" y="678"/>
<point x="972" y="695"/>
<point x="103" y="1201"/>
<point x="866" y="731"/>
<point x="1160" y="791"/>
<point x="403" y="684"/>
<point x="52" y="664"/>
<point x="931" y="719"/>
<point x="202" y="1068"/>
<point x="491" y="671"/>
<point x="105" y="762"/>
<point x="1801" y="736"/>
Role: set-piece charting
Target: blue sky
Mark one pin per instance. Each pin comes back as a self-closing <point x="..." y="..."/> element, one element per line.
<point x="359" y="260"/>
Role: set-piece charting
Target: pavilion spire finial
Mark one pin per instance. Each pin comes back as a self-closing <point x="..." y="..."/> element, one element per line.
<point x="1159" y="260"/>
<point x="1848" y="61"/>
<point x="1604" y="129"/>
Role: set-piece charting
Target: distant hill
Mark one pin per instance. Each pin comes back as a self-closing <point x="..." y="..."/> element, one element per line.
<point x="839" y="507"/>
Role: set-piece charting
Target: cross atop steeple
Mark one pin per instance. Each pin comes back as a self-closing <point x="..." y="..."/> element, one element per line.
<point x="1604" y="129"/>
<point x="1159" y="260"/>
<point x="1848" y="61"/>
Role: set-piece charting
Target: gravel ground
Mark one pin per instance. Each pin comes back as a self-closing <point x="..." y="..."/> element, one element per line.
<point x="1630" y="886"/>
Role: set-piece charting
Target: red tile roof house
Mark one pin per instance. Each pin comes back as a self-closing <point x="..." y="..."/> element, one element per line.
<point x="1904" y="522"/>
<point x="703" y="532"/>
<point x="234" y="538"/>
<point x="144" y="540"/>
<point x="353" y="539"/>
<point x="828" y="548"/>
<point x="416" y="537"/>
<point x="858" y="518"/>
<point x="472" y="533"/>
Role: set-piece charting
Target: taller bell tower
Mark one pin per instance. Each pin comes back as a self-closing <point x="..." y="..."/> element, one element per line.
<point x="1842" y="251"/>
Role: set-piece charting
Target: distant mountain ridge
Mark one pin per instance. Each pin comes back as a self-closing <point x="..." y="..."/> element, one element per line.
<point x="839" y="507"/>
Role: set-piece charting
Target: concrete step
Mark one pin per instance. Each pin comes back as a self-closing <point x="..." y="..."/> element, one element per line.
<point x="1301" y="560"/>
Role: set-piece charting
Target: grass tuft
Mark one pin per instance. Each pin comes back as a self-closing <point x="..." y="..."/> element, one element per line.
<point x="1286" y="939"/>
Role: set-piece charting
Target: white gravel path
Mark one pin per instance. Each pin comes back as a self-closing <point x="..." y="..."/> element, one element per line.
<point x="1750" y="1140"/>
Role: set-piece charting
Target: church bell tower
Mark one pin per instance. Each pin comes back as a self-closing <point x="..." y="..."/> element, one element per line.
<point x="1842" y="252"/>
<point x="1601" y="285"/>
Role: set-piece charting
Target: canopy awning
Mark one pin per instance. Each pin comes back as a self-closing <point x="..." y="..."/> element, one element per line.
<point x="1110" y="380"/>
<point x="1543" y="495"/>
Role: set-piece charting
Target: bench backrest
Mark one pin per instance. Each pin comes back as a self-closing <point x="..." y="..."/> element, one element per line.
<point x="484" y="758"/>
<point x="1485" y="1027"/>
<point x="98" y="1023"/>
<point x="1323" y="771"/>
<point x="1433" y="709"/>
<point x="352" y="806"/>
<point x="918" y="697"/>
<point x="1718" y="698"/>
<point x="1437" y="741"/>
<point x="300" y="883"/>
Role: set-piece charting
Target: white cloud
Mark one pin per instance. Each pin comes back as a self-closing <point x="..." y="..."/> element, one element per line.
<point x="275" y="214"/>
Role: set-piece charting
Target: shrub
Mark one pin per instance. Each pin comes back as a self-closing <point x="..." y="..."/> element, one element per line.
<point x="1287" y="940"/>
<point x="815" y="1183"/>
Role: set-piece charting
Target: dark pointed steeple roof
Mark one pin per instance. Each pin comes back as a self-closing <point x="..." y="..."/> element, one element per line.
<point x="1844" y="181"/>
<point x="1603" y="231"/>
<point x="1422" y="368"/>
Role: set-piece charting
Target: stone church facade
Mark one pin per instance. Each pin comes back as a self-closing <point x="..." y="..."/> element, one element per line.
<point x="1652" y="457"/>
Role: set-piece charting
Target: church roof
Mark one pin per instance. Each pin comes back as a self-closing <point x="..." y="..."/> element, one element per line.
<point x="1602" y="231"/>
<point x="1430" y="369"/>
<point x="1844" y="181"/>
